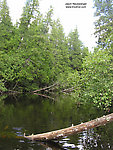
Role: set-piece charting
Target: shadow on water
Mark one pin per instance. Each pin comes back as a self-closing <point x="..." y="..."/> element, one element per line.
<point x="34" y="114"/>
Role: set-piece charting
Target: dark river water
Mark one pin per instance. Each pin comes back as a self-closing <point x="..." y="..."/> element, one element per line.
<point x="34" y="114"/>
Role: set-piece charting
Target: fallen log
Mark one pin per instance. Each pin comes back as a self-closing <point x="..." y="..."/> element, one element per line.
<point x="71" y="130"/>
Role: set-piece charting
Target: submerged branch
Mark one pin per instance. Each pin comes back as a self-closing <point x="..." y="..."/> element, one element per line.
<point x="71" y="130"/>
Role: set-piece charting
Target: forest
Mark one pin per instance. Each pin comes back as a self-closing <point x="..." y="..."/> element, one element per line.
<point x="35" y="53"/>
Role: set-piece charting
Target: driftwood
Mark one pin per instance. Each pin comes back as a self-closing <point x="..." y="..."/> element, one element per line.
<point x="71" y="130"/>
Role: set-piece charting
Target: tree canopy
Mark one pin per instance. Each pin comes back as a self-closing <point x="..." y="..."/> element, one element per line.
<point x="104" y="23"/>
<point x="35" y="52"/>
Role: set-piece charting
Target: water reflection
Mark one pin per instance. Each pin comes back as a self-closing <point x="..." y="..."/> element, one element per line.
<point x="18" y="131"/>
<point x="88" y="138"/>
<point x="35" y="115"/>
<point x="51" y="145"/>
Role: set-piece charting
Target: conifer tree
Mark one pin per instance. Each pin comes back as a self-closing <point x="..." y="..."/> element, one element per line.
<point x="104" y="23"/>
<point x="30" y="11"/>
<point x="59" y="46"/>
<point x="75" y="50"/>
<point x="6" y="27"/>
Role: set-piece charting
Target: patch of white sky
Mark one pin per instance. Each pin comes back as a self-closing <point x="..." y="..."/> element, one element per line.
<point x="71" y="18"/>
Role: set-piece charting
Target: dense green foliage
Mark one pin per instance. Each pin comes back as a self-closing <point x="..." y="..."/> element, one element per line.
<point x="36" y="53"/>
<point x="104" y="23"/>
<point x="75" y="50"/>
<point x="97" y="73"/>
<point x="97" y="78"/>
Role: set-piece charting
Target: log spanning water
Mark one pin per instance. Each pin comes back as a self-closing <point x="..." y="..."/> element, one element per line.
<point x="71" y="130"/>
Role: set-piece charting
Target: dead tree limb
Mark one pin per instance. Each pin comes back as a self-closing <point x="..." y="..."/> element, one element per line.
<point x="71" y="130"/>
<point x="44" y="96"/>
<point x="45" y="88"/>
<point x="68" y="90"/>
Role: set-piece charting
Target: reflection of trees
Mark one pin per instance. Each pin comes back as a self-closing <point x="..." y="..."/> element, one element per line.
<point x="98" y="138"/>
<point x="51" y="145"/>
<point x="1" y="111"/>
<point x="88" y="138"/>
<point x="37" y="115"/>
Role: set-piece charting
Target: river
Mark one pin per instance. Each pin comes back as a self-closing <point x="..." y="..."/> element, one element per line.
<point x="35" y="114"/>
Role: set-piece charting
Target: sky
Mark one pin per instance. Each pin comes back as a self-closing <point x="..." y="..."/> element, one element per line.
<point x="71" y="18"/>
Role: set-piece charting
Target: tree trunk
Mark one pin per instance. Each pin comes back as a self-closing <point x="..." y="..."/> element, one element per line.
<point x="71" y="130"/>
